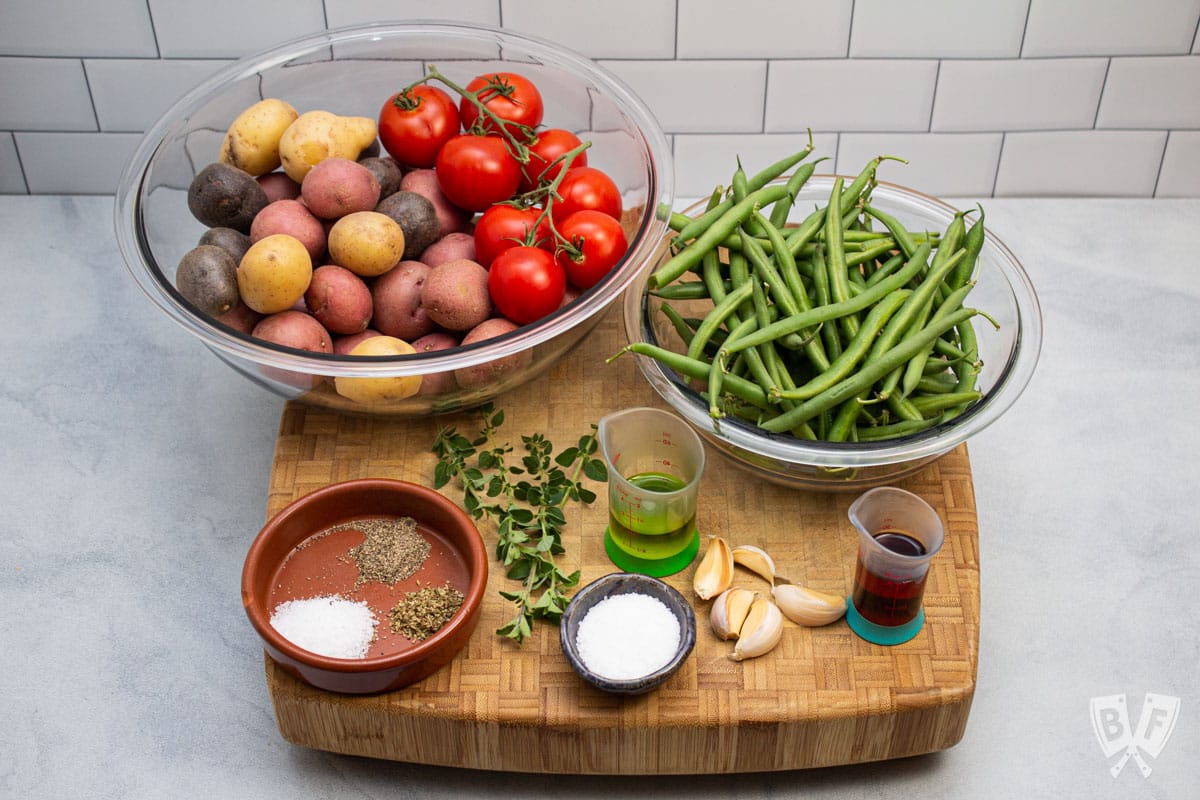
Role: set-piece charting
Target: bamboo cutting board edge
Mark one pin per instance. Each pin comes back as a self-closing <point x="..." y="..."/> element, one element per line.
<point x="822" y="698"/>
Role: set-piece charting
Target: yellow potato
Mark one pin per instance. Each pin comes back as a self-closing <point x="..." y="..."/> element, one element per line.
<point x="318" y="135"/>
<point x="274" y="273"/>
<point x="379" y="390"/>
<point x="366" y="242"/>
<point x="252" y="142"/>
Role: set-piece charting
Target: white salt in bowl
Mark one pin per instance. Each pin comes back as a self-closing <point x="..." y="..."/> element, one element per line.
<point x="627" y="583"/>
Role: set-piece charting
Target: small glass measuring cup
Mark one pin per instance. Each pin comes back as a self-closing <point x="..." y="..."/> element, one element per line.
<point x="654" y="466"/>
<point x="899" y="534"/>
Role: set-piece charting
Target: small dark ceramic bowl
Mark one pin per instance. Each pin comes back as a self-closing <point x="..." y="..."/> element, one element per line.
<point x="295" y="557"/>
<point x="619" y="583"/>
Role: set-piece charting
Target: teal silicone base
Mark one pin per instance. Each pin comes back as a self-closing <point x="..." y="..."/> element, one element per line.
<point x="654" y="568"/>
<point x="882" y="634"/>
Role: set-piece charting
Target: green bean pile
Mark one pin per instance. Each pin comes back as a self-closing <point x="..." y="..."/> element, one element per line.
<point x="845" y="327"/>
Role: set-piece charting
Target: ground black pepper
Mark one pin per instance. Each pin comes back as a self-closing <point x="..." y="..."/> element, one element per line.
<point x="423" y="612"/>
<point x="392" y="551"/>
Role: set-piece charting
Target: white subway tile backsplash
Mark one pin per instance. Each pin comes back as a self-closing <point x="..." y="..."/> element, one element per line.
<point x="1086" y="163"/>
<point x="1180" y="173"/>
<point x="937" y="28"/>
<point x="12" y="179"/>
<point x="942" y="164"/>
<point x="231" y="28"/>
<point x="850" y="95"/>
<point x="61" y="101"/>
<point x="340" y="13"/>
<point x="764" y="28"/>
<point x="703" y="162"/>
<point x="1155" y="92"/>
<point x="1029" y="94"/>
<point x="1008" y="96"/>
<point x="699" y="96"/>
<point x="75" y="163"/>
<point x="599" y="30"/>
<point x="74" y="29"/>
<point x="1088" y="27"/>
<point x="131" y="94"/>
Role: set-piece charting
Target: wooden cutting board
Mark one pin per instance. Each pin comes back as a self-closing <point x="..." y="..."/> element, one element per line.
<point x="822" y="697"/>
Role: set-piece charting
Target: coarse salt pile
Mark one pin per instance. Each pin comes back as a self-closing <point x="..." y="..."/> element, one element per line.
<point x="627" y="636"/>
<point x="329" y="625"/>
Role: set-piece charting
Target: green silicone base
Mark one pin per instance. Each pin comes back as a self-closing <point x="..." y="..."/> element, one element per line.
<point x="655" y="568"/>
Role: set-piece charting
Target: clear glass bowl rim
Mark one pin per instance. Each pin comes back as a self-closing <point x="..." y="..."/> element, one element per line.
<point x="154" y="283"/>
<point x="919" y="446"/>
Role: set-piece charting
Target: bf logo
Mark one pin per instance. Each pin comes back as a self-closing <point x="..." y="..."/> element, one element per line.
<point x="1110" y="721"/>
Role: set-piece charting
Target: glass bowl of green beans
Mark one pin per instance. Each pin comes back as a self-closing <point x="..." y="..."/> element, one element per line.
<point x="834" y="352"/>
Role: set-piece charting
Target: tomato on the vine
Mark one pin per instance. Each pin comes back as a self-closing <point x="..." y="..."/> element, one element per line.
<point x="526" y="284"/>
<point x="597" y="244"/>
<point x="475" y="172"/>
<point x="508" y="95"/>
<point x="415" y="123"/>
<point x="584" y="188"/>
<point x="549" y="145"/>
<point x="504" y="226"/>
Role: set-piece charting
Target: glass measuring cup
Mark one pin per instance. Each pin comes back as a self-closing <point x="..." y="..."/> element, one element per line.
<point x="899" y="534"/>
<point x="654" y="466"/>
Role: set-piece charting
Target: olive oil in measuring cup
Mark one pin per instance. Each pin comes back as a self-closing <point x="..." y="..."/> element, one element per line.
<point x="654" y="466"/>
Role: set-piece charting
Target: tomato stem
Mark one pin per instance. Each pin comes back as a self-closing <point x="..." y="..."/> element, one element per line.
<point x="519" y="149"/>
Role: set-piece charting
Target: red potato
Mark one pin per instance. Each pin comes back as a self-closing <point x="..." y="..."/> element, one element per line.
<point x="425" y="182"/>
<point x="279" y="186"/>
<point x="496" y="370"/>
<point x="396" y="297"/>
<point x="241" y="318"/>
<point x="294" y="219"/>
<point x="339" y="299"/>
<point x="451" y="247"/>
<point x="436" y="382"/>
<point x="336" y="187"/>
<point x="455" y="294"/>
<point x="296" y="329"/>
<point x="342" y="345"/>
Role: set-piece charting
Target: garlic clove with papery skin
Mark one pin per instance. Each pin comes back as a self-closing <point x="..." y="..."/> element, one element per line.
<point x="808" y="607"/>
<point x="715" y="572"/>
<point x="756" y="560"/>
<point x="729" y="611"/>
<point x="760" y="632"/>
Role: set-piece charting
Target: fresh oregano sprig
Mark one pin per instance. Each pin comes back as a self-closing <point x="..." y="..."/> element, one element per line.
<point x="526" y="502"/>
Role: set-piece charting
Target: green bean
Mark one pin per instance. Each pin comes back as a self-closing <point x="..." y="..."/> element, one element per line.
<point x="895" y="429"/>
<point x="867" y="375"/>
<point x="902" y="236"/>
<point x="717" y="370"/>
<point x="916" y="366"/>
<point x="902" y="407"/>
<point x="871" y="253"/>
<point x="821" y="292"/>
<point x="974" y="244"/>
<point x="835" y="260"/>
<point x="771" y="278"/>
<point x="855" y="351"/>
<point x="751" y="392"/>
<point x="753" y="184"/>
<point x="713" y="235"/>
<point x="817" y="314"/>
<point x="934" y="384"/>
<point x="783" y="206"/>
<point x="710" y="271"/>
<point x="887" y="268"/>
<point x="843" y="426"/>
<point x="716" y="317"/>
<point x="677" y="322"/>
<point x="685" y="290"/>
<point x="929" y="405"/>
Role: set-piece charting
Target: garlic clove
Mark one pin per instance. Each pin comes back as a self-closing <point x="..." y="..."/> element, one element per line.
<point x="729" y="612"/>
<point x="756" y="560"/>
<point x="760" y="632"/>
<point x="808" y="607"/>
<point x="715" y="573"/>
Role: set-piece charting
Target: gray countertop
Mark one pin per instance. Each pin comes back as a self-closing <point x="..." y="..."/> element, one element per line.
<point x="135" y="475"/>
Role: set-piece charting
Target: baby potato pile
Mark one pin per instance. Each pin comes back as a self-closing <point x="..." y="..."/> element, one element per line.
<point x="315" y="241"/>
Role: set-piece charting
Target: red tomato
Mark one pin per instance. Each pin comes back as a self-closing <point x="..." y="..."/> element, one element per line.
<point x="585" y="188"/>
<point x="509" y="96"/>
<point x="526" y="284"/>
<point x="599" y="244"/>
<point x="414" y="124"/>
<point x="549" y="145"/>
<point x="475" y="172"/>
<point x="504" y="226"/>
